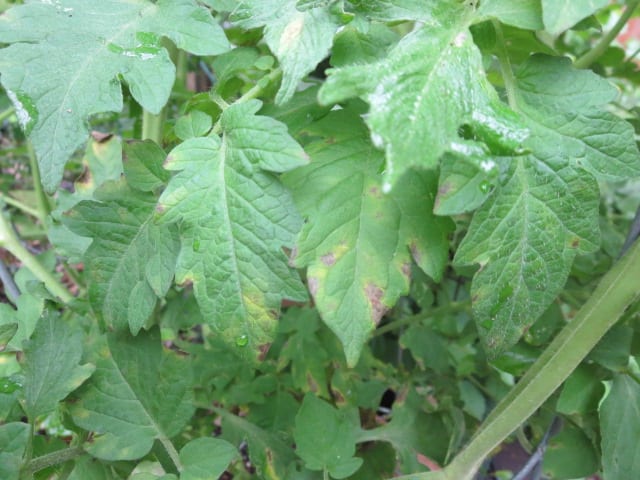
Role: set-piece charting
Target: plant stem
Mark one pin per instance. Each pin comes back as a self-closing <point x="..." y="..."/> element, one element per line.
<point x="152" y="126"/>
<point x="173" y="453"/>
<point x="263" y="83"/>
<point x="615" y="292"/>
<point x="20" y="206"/>
<point x="10" y="288"/>
<point x="50" y="459"/>
<point x="453" y="307"/>
<point x="10" y="242"/>
<point x="181" y="68"/>
<point x="505" y="66"/>
<point x="44" y="207"/>
<point x="7" y="113"/>
<point x="598" y="50"/>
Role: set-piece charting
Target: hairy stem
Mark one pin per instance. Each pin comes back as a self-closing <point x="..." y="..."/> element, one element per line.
<point x="598" y="50"/>
<point x="152" y="126"/>
<point x="10" y="242"/>
<point x="173" y="453"/>
<point x="617" y="290"/>
<point x="505" y="66"/>
<point x="51" y="459"/>
<point x="44" y="207"/>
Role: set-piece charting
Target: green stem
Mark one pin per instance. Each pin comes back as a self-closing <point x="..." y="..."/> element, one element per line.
<point x="152" y="126"/>
<point x="44" y="207"/>
<point x="173" y="453"/>
<point x="505" y="66"/>
<point x="598" y="50"/>
<point x="325" y="474"/>
<point x="51" y="459"/>
<point x="181" y="68"/>
<point x="10" y="242"/>
<point x="7" y="113"/>
<point x="453" y="307"/>
<point x="20" y="206"/>
<point x="616" y="291"/>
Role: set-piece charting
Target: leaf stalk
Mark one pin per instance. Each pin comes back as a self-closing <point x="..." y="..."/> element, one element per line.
<point x="505" y="66"/>
<point x="586" y="60"/>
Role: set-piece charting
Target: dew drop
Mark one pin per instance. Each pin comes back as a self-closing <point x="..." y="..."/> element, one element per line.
<point x="485" y="186"/>
<point x="242" y="341"/>
<point x="7" y="385"/>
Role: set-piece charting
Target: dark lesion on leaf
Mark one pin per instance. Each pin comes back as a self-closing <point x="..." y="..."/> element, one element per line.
<point x="263" y="349"/>
<point x="415" y="252"/>
<point x="329" y="259"/>
<point x="374" y="295"/>
<point x="575" y="242"/>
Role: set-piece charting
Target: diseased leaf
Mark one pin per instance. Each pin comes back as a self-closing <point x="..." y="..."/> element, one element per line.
<point x="131" y="260"/>
<point x="429" y="85"/>
<point x="358" y="242"/>
<point x="138" y="393"/>
<point x="51" y="365"/>
<point x="326" y="437"/>
<point x="206" y="458"/>
<point x="13" y="441"/>
<point x="64" y="59"/>
<point x="394" y="10"/>
<point x="620" y="427"/>
<point x="299" y="39"/>
<point x="559" y="15"/>
<point x="235" y="218"/>
<point x="545" y="211"/>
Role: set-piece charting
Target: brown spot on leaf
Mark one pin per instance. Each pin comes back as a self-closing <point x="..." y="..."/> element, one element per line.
<point x="575" y="243"/>
<point x="328" y="259"/>
<point x="167" y="161"/>
<point x="160" y="208"/>
<point x="375" y="192"/>
<point x="330" y="140"/>
<point x="474" y="299"/>
<point x="406" y="269"/>
<point x="313" y="385"/>
<point x="292" y="257"/>
<point x="101" y="137"/>
<point x="312" y="282"/>
<point x="415" y="252"/>
<point x="263" y="349"/>
<point x="374" y="294"/>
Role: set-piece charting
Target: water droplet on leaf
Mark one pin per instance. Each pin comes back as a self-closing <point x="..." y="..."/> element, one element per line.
<point x="485" y="186"/>
<point x="242" y="341"/>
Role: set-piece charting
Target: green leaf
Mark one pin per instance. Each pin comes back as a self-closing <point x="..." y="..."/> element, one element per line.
<point x="559" y="15"/>
<point x="26" y="316"/>
<point x="545" y="211"/>
<point x="581" y="392"/>
<point x="235" y="220"/>
<point x="143" y="166"/>
<point x="131" y="261"/>
<point x="358" y="242"/>
<point x="51" y="365"/>
<point x="570" y="454"/>
<point x="395" y="10"/>
<point x="299" y="40"/>
<point x="268" y="452"/>
<point x="138" y="393"/>
<point x="525" y="14"/>
<point x="194" y="124"/>
<point x="13" y="441"/>
<point x="416" y="109"/>
<point x="64" y="59"/>
<point x="326" y="437"/>
<point x="352" y="46"/>
<point x="620" y="429"/>
<point x="205" y="458"/>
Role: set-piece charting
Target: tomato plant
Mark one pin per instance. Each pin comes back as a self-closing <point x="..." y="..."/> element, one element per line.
<point x="300" y="239"/>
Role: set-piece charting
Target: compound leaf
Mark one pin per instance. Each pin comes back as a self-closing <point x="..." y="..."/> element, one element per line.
<point x="137" y="394"/>
<point x="65" y="57"/>
<point x="545" y="211"/>
<point x="525" y="14"/>
<point x="131" y="261"/>
<point x="430" y="84"/>
<point x="326" y="437"/>
<point x="235" y="218"/>
<point x="358" y="242"/>
<point x="51" y="365"/>
<point x="299" y="39"/>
